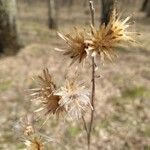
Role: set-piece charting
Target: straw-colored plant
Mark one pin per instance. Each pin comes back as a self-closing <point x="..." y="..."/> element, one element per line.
<point x="34" y="143"/>
<point x="101" y="43"/>
<point x="72" y="98"/>
<point x="44" y="95"/>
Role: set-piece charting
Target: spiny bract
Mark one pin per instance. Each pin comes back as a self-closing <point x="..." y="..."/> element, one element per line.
<point x="107" y="37"/>
<point x="45" y="95"/>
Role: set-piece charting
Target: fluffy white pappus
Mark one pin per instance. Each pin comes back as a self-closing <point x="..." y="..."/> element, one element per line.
<point x="75" y="99"/>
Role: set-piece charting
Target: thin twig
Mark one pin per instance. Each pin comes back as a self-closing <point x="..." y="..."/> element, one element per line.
<point x="92" y="11"/>
<point x="85" y="125"/>
<point x="93" y="81"/>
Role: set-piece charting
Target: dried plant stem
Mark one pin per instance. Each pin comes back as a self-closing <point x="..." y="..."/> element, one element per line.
<point x="92" y="103"/>
<point x="93" y="83"/>
<point x="85" y="125"/>
<point x="88" y="129"/>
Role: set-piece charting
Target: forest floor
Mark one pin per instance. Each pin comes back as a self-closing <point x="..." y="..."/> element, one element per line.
<point x="122" y="120"/>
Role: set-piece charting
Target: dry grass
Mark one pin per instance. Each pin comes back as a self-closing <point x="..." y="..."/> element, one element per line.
<point x="123" y="90"/>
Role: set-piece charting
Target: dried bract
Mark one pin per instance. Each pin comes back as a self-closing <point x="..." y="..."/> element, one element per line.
<point x="25" y="126"/>
<point x="28" y="124"/>
<point x="44" y="95"/>
<point x="107" y="37"/>
<point x="34" y="143"/>
<point x="74" y="98"/>
<point x="76" y="45"/>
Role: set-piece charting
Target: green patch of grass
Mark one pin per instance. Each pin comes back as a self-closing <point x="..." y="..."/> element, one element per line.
<point x="135" y="92"/>
<point x="146" y="131"/>
<point x="54" y="123"/>
<point x="147" y="147"/>
<point x="20" y="146"/>
<point x="73" y="131"/>
<point x="104" y="124"/>
<point x="116" y="117"/>
<point x="118" y="80"/>
<point x="5" y="85"/>
<point x="122" y="49"/>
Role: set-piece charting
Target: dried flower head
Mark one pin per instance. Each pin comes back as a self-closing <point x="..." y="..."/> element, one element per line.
<point x="28" y="124"/>
<point x="107" y="37"/>
<point x="74" y="98"/>
<point x="44" y="95"/>
<point x="25" y="126"/>
<point x="76" y="45"/>
<point x="34" y="143"/>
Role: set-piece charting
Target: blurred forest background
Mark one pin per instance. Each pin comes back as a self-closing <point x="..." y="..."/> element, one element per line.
<point x="28" y="36"/>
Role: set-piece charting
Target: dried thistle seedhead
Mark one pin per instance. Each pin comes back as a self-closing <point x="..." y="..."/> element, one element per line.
<point x="25" y="126"/>
<point x="76" y="45"/>
<point x="44" y="95"/>
<point x="29" y="130"/>
<point x="74" y="98"/>
<point x="46" y="85"/>
<point x="34" y="143"/>
<point x="28" y="121"/>
<point x="51" y="105"/>
<point x="107" y="37"/>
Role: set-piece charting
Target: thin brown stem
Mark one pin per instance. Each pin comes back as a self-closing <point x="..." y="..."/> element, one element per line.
<point x="93" y="82"/>
<point x="92" y="103"/>
<point x="88" y="129"/>
<point x="85" y="125"/>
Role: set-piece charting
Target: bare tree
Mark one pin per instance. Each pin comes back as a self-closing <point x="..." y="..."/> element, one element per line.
<point x="9" y="41"/>
<point x="67" y="2"/>
<point x="144" y="5"/>
<point x="30" y="2"/>
<point x="52" y="16"/>
<point x="107" y="7"/>
<point x="148" y="9"/>
<point x="71" y="2"/>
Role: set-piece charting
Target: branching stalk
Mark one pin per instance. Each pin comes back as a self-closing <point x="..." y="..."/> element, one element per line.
<point x="88" y="129"/>
<point x="93" y="82"/>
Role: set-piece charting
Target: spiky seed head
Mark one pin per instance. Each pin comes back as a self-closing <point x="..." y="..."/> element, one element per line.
<point x="34" y="143"/>
<point x="44" y="95"/>
<point x="28" y="122"/>
<point x="29" y="130"/>
<point x="76" y="49"/>
<point x="25" y="126"/>
<point x="74" y="98"/>
<point x="107" y="37"/>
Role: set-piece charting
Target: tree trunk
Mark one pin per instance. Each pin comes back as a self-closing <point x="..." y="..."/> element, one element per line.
<point x="30" y="2"/>
<point x="107" y="7"/>
<point x="70" y="2"/>
<point x="67" y="2"/>
<point x="64" y="2"/>
<point x="148" y="9"/>
<point x="52" y="20"/>
<point x="144" y="5"/>
<point x="9" y="41"/>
